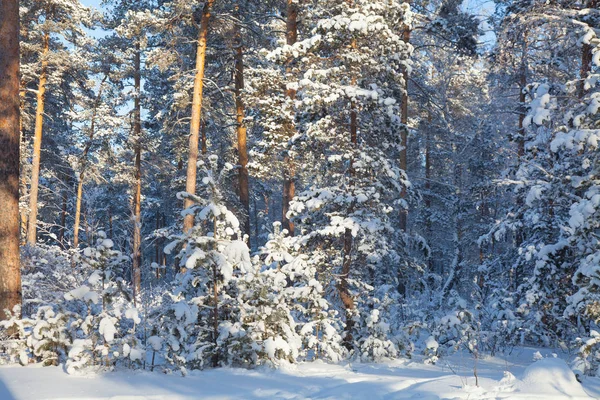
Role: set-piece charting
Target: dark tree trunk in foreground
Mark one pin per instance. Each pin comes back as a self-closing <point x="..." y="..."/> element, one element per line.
<point x="10" y="272"/>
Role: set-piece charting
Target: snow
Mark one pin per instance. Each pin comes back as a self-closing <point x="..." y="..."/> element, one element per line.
<point x="83" y="293"/>
<point x="132" y="313"/>
<point x="155" y="342"/>
<point x="107" y="329"/>
<point x="238" y="254"/>
<point x="431" y="343"/>
<point x="502" y="377"/>
<point x="552" y="376"/>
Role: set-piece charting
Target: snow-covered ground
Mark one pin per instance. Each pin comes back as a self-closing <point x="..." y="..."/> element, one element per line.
<point x="506" y="377"/>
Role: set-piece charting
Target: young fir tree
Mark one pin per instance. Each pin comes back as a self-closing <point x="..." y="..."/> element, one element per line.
<point x="204" y="325"/>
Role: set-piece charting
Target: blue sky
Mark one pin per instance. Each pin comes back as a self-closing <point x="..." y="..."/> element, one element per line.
<point x="91" y="3"/>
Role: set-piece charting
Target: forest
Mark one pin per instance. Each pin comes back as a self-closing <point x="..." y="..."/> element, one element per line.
<point x="196" y="184"/>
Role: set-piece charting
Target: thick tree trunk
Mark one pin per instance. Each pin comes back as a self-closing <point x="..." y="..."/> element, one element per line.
<point x="37" y="145"/>
<point x="289" y="174"/>
<point x="84" y="155"/>
<point x="10" y="272"/>
<point x="243" y="188"/>
<point x="137" y="190"/>
<point x="190" y="186"/>
<point x="404" y="131"/>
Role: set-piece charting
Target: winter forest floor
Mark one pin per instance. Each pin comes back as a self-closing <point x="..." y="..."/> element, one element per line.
<point x="451" y="378"/>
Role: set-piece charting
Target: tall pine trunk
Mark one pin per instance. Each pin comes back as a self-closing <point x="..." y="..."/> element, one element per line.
<point x="86" y="150"/>
<point x="406" y="31"/>
<point x="10" y="272"/>
<point x="201" y="45"/>
<point x="136" y="273"/>
<point x="343" y="287"/>
<point x="289" y="174"/>
<point x="37" y="145"/>
<point x="243" y="188"/>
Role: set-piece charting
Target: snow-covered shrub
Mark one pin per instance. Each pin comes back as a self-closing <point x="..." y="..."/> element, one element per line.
<point x="587" y="361"/>
<point x="456" y="330"/>
<point x="373" y="335"/>
<point x="266" y="316"/>
<point x="501" y="324"/>
<point x="82" y="314"/>
<point x="47" y="273"/>
<point x="100" y="305"/>
<point x="317" y="323"/>
<point x="431" y="350"/>
<point x="202" y="325"/>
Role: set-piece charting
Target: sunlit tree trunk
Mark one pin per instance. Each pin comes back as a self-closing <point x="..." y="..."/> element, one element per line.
<point x="84" y="155"/>
<point x="37" y="145"/>
<point x="243" y="188"/>
<point x="201" y="45"/>
<point x="10" y="272"/>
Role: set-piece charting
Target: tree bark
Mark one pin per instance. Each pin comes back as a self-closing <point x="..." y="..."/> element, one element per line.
<point x="136" y="269"/>
<point x="343" y="288"/>
<point x="289" y="174"/>
<point x="10" y="272"/>
<point x="84" y="155"/>
<point x="203" y="137"/>
<point x="37" y="145"/>
<point x="243" y="188"/>
<point x="404" y="131"/>
<point x="190" y="186"/>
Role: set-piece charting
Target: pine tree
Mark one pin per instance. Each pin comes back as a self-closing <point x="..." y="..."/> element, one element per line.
<point x="10" y="276"/>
